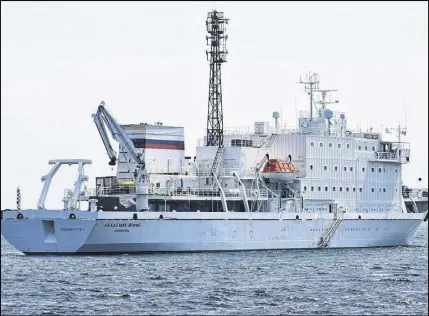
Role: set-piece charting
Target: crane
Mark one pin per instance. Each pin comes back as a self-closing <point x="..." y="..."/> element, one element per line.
<point x="103" y="118"/>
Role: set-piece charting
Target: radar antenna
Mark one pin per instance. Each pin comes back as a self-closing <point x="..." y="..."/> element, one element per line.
<point x="216" y="27"/>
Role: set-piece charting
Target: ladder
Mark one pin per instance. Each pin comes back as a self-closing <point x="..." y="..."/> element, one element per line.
<point x="324" y="240"/>
<point x="217" y="159"/>
<point x="256" y="205"/>
<point x="269" y="142"/>
<point x="215" y="166"/>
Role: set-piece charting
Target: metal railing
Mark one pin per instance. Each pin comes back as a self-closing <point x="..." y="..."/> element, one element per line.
<point x="386" y="155"/>
<point x="419" y="193"/>
<point x="401" y="154"/>
<point x="244" y="132"/>
<point x="225" y="172"/>
<point x="179" y="192"/>
<point x="207" y="172"/>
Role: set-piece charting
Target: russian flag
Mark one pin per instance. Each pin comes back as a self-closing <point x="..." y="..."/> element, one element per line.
<point x="159" y="144"/>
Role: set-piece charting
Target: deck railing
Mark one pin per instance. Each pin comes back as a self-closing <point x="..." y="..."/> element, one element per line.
<point x="178" y="192"/>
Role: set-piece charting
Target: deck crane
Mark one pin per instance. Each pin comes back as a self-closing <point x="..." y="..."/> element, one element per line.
<point x="102" y="118"/>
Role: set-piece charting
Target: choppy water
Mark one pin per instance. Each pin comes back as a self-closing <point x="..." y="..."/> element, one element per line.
<point x="348" y="281"/>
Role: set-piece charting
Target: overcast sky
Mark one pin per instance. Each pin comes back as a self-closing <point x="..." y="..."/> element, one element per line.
<point x="147" y="61"/>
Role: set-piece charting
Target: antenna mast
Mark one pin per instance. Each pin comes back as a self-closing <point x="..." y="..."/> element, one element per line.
<point x="323" y="102"/>
<point x="216" y="27"/>
<point x="310" y="81"/>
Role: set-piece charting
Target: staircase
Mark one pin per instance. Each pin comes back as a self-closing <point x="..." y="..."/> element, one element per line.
<point x="325" y="239"/>
<point x="256" y="204"/>
<point x="215" y="166"/>
<point x="269" y="142"/>
<point x="217" y="159"/>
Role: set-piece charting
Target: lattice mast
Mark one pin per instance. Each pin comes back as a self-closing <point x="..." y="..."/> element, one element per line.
<point x="216" y="27"/>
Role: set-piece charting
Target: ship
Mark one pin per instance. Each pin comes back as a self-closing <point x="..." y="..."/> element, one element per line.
<point x="267" y="187"/>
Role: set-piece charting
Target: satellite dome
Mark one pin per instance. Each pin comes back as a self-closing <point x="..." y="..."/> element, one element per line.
<point x="276" y="115"/>
<point x="342" y="116"/>
<point x="328" y="114"/>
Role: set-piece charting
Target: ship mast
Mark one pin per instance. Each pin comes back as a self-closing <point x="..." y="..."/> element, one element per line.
<point x="311" y="83"/>
<point x="323" y="102"/>
<point x="216" y="27"/>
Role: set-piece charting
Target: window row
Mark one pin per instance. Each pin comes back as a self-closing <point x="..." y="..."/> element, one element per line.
<point x="330" y="145"/>
<point x="366" y="148"/>
<point x="379" y="169"/>
<point x="346" y="189"/>
<point x="351" y="169"/>
<point x="339" y="146"/>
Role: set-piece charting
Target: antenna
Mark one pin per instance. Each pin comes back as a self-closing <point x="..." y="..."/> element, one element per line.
<point x="311" y="83"/>
<point x="296" y="112"/>
<point x="405" y="113"/>
<point x="323" y="102"/>
<point x="399" y="131"/>
<point x="216" y="27"/>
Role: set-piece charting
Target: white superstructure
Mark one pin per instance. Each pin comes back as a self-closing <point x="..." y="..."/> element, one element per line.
<point x="318" y="185"/>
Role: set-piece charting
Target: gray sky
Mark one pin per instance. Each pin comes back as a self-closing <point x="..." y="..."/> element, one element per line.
<point x="147" y="61"/>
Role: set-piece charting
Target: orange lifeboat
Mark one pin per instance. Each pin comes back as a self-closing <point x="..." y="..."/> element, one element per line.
<point x="279" y="170"/>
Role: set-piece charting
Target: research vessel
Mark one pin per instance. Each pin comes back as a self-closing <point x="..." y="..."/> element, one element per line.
<point x="317" y="185"/>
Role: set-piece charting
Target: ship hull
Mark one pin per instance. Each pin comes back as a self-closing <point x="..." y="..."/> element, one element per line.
<point x="44" y="232"/>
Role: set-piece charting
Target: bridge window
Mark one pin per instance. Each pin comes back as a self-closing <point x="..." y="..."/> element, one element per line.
<point x="366" y="147"/>
<point x="347" y="189"/>
<point x="312" y="188"/>
<point x="360" y="189"/>
<point x="379" y="169"/>
<point x="321" y="144"/>
<point x="305" y="188"/>
<point x="333" y="188"/>
<point x="330" y="144"/>
<point x="384" y="190"/>
<point x="326" y="189"/>
<point x="345" y="168"/>
<point x="341" y="189"/>
<point x="311" y="167"/>
<point x="372" y="169"/>
<point x="339" y="145"/>
<point x="336" y="168"/>
<point x="312" y="143"/>
<point x="351" y="168"/>
<point x="325" y="167"/>
<point x="318" y="188"/>
<point x="360" y="147"/>
<point x="372" y="190"/>
<point x="363" y="169"/>
<point x="373" y="148"/>
<point x="348" y="145"/>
